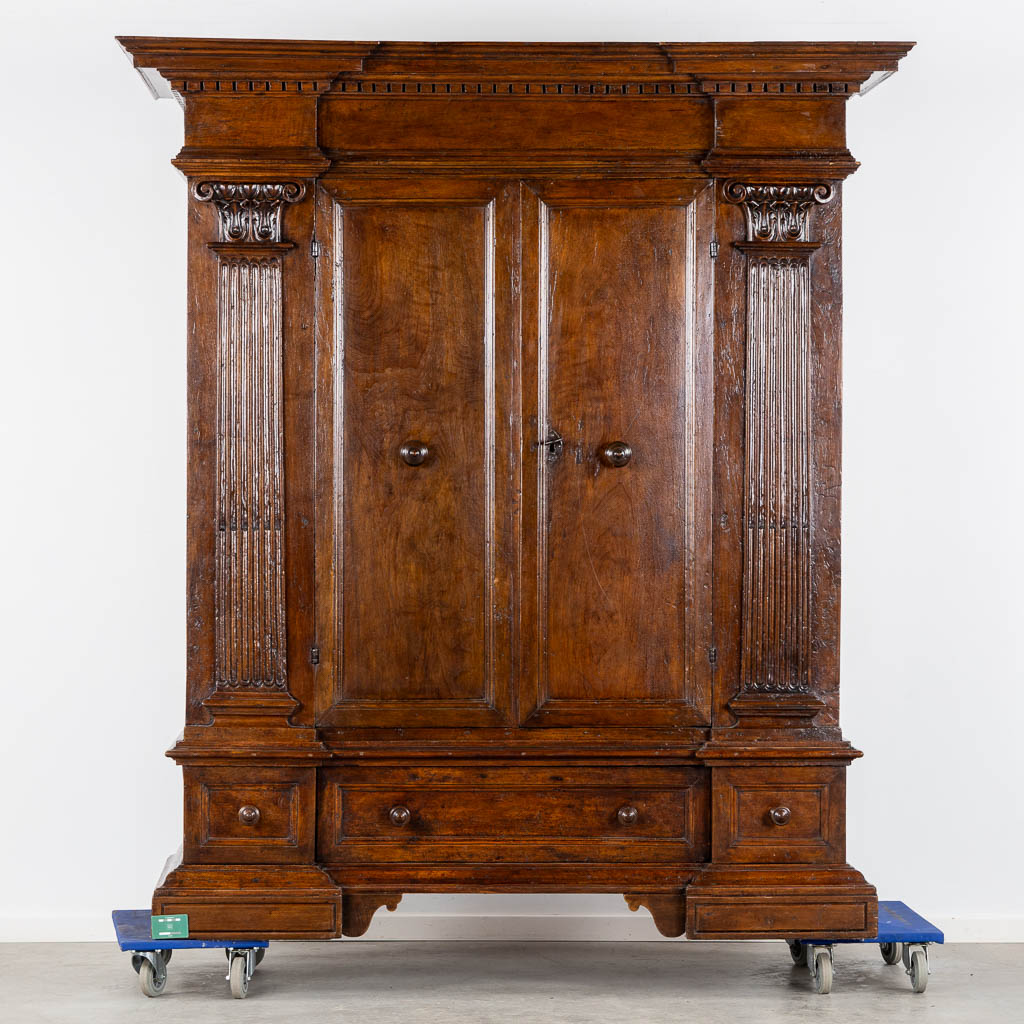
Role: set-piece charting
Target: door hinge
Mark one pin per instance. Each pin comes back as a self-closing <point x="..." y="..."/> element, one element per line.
<point x="712" y="655"/>
<point x="314" y="655"/>
<point x="714" y="248"/>
<point x="315" y="249"/>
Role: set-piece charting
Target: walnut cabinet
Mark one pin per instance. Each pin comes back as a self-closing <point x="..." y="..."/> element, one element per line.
<point x="514" y="479"/>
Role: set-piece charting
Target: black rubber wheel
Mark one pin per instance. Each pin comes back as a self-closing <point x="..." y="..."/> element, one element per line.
<point x="798" y="951"/>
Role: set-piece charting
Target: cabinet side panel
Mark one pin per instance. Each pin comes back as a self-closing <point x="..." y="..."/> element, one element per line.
<point x="202" y="473"/>
<point x="826" y="455"/>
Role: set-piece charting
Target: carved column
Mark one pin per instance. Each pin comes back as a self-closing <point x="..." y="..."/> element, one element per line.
<point x="250" y="651"/>
<point x="775" y="657"/>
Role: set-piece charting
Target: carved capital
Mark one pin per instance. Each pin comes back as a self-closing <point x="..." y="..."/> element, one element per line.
<point x="249" y="213"/>
<point x="777" y="213"/>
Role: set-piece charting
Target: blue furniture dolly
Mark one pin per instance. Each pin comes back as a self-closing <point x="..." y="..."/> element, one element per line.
<point x="902" y="935"/>
<point x="150" y="956"/>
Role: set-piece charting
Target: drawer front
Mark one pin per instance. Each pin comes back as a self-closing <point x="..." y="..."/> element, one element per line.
<point x="784" y="917"/>
<point x="249" y="815"/>
<point x="265" y="918"/>
<point x="483" y="814"/>
<point x="770" y="815"/>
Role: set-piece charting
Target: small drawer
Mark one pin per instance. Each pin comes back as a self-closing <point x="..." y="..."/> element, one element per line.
<point x="513" y="813"/>
<point x="775" y="815"/>
<point x="249" y="815"/>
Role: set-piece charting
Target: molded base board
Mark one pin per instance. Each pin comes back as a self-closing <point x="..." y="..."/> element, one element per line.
<point x="767" y="903"/>
<point x="261" y="901"/>
<point x="304" y="902"/>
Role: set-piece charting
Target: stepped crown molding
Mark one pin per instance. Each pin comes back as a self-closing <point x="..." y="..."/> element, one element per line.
<point x="233" y="67"/>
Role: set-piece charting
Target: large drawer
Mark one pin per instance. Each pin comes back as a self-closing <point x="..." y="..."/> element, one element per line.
<point x="778" y="815"/>
<point x="249" y="815"/>
<point x="507" y="814"/>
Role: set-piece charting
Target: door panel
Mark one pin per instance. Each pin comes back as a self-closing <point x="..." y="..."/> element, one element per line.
<point x="619" y="606"/>
<point x="414" y="539"/>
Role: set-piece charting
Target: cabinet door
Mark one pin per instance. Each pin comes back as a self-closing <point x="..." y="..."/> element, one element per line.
<point x="415" y="395"/>
<point x="616" y="610"/>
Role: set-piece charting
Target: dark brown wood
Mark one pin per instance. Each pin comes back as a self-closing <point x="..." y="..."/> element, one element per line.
<point x="358" y="909"/>
<point x="514" y="479"/>
<point x="667" y="909"/>
<point x="399" y="815"/>
<point x="265" y="815"/>
<point x="249" y="815"/>
<point x="772" y="815"/>
<point x="614" y="613"/>
<point x="524" y="815"/>
<point x="425" y="552"/>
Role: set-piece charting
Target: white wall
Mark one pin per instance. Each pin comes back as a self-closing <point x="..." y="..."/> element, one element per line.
<point x="93" y="421"/>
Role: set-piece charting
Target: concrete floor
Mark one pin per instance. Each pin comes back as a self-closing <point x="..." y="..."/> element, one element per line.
<point x="467" y="982"/>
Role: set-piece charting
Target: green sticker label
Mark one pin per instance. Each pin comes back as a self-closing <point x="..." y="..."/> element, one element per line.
<point x="170" y="926"/>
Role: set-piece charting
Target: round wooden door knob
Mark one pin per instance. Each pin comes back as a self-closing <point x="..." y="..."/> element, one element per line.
<point x="414" y="453"/>
<point x="249" y="815"/>
<point x="628" y="815"/>
<point x="399" y="815"/>
<point x="616" y="454"/>
<point x="779" y="815"/>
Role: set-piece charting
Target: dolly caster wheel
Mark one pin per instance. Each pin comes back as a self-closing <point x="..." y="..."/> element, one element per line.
<point x="823" y="973"/>
<point x="238" y="977"/>
<point x="918" y="970"/>
<point x="151" y="983"/>
<point x="892" y="952"/>
<point x="798" y="951"/>
<point x="152" y="973"/>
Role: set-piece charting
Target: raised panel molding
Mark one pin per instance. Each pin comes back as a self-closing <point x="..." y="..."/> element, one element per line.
<point x="408" y="543"/>
<point x="593" y="662"/>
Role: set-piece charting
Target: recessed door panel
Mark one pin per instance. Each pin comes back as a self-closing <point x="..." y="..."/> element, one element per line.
<point x="416" y="520"/>
<point x="620" y="478"/>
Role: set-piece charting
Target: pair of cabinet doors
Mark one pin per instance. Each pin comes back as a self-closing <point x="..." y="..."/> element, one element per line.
<point x="513" y="406"/>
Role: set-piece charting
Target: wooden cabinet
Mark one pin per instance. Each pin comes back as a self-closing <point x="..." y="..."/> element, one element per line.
<point x="513" y="525"/>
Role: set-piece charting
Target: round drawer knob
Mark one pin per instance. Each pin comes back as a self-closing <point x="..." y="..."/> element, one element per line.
<point x="249" y="815"/>
<point x="414" y="453"/>
<point x="779" y="815"/>
<point x="616" y="454"/>
<point x="399" y="815"/>
<point x="628" y="815"/>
